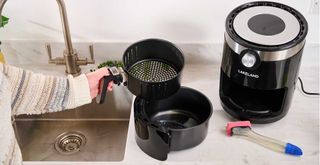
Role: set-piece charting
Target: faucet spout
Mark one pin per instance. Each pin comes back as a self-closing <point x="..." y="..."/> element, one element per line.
<point x="65" y="27"/>
<point x="64" y="20"/>
<point x="70" y="55"/>
<point x="70" y="59"/>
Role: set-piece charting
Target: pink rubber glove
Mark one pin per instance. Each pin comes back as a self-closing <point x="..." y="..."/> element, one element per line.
<point x="94" y="81"/>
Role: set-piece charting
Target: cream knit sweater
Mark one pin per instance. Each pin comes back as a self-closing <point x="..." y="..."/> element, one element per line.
<point x="25" y="92"/>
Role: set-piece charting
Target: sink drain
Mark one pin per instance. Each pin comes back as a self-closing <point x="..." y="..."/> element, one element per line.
<point x="70" y="142"/>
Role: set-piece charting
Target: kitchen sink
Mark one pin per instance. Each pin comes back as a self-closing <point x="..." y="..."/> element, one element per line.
<point x="93" y="132"/>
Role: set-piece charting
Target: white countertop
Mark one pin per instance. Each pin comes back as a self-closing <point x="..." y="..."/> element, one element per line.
<point x="300" y="126"/>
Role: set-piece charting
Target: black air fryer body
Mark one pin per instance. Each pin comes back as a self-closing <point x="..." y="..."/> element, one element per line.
<point x="261" y="59"/>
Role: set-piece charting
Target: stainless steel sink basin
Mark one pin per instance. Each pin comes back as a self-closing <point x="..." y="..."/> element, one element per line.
<point x="88" y="133"/>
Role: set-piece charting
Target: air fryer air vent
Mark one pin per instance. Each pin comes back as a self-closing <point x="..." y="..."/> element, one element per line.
<point x="300" y="18"/>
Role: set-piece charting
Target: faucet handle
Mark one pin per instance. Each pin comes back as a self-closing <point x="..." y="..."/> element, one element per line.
<point x="85" y="61"/>
<point x="91" y="60"/>
<point x="58" y="60"/>
<point x="49" y="52"/>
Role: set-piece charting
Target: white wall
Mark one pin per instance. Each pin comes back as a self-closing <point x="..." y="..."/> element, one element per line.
<point x="184" y="21"/>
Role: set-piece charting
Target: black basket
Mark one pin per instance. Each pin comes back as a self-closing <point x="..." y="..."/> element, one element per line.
<point x="153" y="68"/>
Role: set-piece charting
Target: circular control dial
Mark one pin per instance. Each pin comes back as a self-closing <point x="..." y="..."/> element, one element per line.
<point x="248" y="60"/>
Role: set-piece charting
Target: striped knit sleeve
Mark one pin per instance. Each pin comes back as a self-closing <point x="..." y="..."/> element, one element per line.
<point x="35" y="93"/>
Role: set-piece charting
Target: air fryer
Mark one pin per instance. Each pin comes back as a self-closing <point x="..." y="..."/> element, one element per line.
<point x="261" y="58"/>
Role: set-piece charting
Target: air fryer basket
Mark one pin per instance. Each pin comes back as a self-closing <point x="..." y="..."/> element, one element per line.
<point x="153" y="68"/>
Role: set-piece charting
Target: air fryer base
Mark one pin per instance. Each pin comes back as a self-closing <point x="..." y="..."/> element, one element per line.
<point x="238" y="115"/>
<point x="236" y="109"/>
<point x="175" y="123"/>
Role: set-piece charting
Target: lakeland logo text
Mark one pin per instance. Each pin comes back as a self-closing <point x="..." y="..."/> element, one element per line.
<point x="248" y="74"/>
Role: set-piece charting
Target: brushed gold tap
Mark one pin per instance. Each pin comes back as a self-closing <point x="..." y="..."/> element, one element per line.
<point x="70" y="56"/>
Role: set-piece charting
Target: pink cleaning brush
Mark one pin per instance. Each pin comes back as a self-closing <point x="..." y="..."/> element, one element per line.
<point x="243" y="128"/>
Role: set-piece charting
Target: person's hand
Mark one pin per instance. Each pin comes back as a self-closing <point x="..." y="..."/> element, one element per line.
<point x="94" y="81"/>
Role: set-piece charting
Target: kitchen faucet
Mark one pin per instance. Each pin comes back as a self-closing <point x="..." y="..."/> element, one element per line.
<point x="70" y="59"/>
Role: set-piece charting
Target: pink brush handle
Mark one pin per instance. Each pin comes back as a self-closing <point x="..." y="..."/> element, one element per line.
<point x="231" y="125"/>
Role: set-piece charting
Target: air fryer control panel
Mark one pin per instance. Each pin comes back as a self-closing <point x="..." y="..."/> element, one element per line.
<point x="248" y="70"/>
<point x="250" y="59"/>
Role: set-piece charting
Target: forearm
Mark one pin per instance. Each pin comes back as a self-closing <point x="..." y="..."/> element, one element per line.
<point x="34" y="93"/>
